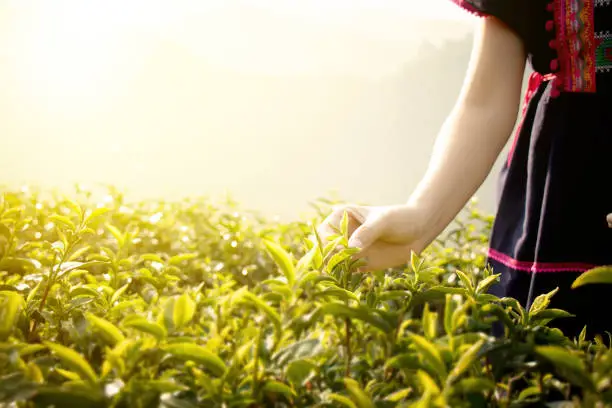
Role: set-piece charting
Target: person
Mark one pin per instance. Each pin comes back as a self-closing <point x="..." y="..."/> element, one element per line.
<point x="552" y="221"/>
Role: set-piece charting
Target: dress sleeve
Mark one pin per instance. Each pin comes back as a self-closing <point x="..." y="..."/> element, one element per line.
<point x="516" y="14"/>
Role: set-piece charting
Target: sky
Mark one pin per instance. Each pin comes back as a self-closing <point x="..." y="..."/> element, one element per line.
<point x="67" y="68"/>
<point x="65" y="49"/>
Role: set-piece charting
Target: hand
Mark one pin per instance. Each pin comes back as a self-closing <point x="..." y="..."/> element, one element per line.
<point x="385" y="235"/>
<point x="609" y="219"/>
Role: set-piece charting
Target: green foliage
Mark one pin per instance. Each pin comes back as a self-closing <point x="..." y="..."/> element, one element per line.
<point x="190" y="304"/>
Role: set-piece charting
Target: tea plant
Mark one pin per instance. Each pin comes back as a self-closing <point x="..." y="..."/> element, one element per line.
<point x="191" y="304"/>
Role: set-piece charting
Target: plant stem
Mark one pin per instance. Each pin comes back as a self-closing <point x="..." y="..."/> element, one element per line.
<point x="349" y="356"/>
<point x="43" y="300"/>
<point x="256" y="365"/>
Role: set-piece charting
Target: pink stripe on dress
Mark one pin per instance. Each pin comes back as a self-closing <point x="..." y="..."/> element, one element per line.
<point x="538" y="267"/>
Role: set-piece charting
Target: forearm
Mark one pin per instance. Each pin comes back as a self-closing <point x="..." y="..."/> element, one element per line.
<point x="464" y="153"/>
<point x="477" y="129"/>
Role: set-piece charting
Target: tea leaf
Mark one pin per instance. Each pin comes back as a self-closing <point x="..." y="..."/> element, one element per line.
<point x="198" y="354"/>
<point x="63" y="220"/>
<point x="152" y="258"/>
<point x="110" y="333"/>
<point x="11" y="305"/>
<point x="541" y="302"/>
<point x="278" y="388"/>
<point x="361" y="399"/>
<point x="312" y="259"/>
<point x="74" y="206"/>
<point x="528" y="392"/>
<point x="568" y="365"/>
<point x="467" y="282"/>
<point x="117" y="234"/>
<point x="485" y="284"/>
<point x="449" y="307"/>
<point x="54" y="397"/>
<point x="361" y="313"/>
<point x="344" y="225"/>
<point x="338" y="292"/>
<point x="118" y="293"/>
<point x="338" y="258"/>
<point x="341" y="399"/>
<point x="95" y="214"/>
<point x="466" y="360"/>
<point x="427" y="383"/>
<point x="397" y="396"/>
<point x="68" y="374"/>
<point x="68" y="267"/>
<point x="74" y="361"/>
<point x="549" y="314"/>
<point x="143" y="325"/>
<point x="265" y="308"/>
<point x="450" y="290"/>
<point x="601" y="275"/>
<point x="475" y="385"/>
<point x="282" y="259"/>
<point x="183" y="310"/>
<point x="407" y="360"/>
<point x="178" y="259"/>
<point x="299" y="370"/>
<point x="430" y="354"/>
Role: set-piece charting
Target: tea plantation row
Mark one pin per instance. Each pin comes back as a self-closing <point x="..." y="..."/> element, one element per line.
<point x="192" y="304"/>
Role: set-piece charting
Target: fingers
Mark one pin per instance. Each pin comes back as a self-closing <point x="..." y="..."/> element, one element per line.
<point x="366" y="234"/>
<point x="382" y="256"/>
<point x="357" y="215"/>
<point x="609" y="219"/>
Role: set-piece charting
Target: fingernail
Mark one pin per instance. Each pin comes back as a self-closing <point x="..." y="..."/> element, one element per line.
<point x="355" y="243"/>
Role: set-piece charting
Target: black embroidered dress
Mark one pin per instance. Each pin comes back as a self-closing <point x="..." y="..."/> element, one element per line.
<point x="556" y="187"/>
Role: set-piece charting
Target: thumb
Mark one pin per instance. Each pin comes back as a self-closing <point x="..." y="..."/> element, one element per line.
<point x="367" y="233"/>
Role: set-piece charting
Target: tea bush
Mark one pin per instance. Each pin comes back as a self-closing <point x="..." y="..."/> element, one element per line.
<point x="195" y="304"/>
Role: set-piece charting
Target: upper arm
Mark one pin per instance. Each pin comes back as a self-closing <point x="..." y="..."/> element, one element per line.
<point x="495" y="73"/>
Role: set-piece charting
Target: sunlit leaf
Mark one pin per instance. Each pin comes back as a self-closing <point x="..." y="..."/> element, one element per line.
<point x="143" y="325"/>
<point x="358" y="395"/>
<point x="197" y="354"/>
<point x="277" y="387"/>
<point x="601" y="275"/>
<point x="282" y="259"/>
<point x="74" y="361"/>
<point x="109" y="332"/>
<point x="183" y="310"/>
<point x="11" y="305"/>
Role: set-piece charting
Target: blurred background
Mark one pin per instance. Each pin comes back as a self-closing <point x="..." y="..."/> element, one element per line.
<point x="276" y="102"/>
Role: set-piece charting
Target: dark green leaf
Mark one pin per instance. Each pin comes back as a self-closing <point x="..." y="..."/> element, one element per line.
<point x="568" y="365"/>
<point x="430" y="354"/>
<point x="361" y="313"/>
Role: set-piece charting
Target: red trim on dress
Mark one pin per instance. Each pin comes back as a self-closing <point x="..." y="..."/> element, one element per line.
<point x="535" y="80"/>
<point x="574" y="26"/>
<point x="537" y="267"/>
<point x="469" y="7"/>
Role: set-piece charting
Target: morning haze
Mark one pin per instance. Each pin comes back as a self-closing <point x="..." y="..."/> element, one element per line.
<point x="278" y="106"/>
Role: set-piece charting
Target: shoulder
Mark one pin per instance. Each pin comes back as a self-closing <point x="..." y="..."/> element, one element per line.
<point x="529" y="19"/>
